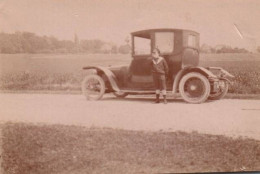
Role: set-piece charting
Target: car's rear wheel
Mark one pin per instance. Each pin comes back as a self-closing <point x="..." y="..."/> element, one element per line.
<point x="120" y="94"/>
<point x="93" y="87"/>
<point x="222" y="92"/>
<point x="194" y="88"/>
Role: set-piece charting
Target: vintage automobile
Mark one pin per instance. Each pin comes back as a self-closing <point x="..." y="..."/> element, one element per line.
<point x="180" y="48"/>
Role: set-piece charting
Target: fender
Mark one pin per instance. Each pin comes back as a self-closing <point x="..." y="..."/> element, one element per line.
<point x="223" y="72"/>
<point x="188" y="69"/>
<point x="109" y="74"/>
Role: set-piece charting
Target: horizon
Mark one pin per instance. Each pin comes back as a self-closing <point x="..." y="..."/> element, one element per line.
<point x="229" y="22"/>
<point x="112" y="43"/>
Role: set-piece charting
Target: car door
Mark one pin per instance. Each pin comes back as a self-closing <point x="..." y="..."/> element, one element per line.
<point x="140" y="67"/>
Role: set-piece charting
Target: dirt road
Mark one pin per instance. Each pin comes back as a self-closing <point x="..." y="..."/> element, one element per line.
<point x="229" y="117"/>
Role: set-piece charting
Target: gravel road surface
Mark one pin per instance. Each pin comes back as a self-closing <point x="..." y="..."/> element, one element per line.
<point x="231" y="117"/>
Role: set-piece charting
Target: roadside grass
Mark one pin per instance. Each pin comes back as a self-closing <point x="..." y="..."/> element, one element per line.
<point x="41" y="81"/>
<point x="55" y="149"/>
<point x="64" y="72"/>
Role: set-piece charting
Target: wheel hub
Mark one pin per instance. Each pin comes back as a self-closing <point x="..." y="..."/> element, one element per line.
<point x="195" y="88"/>
<point x="93" y="87"/>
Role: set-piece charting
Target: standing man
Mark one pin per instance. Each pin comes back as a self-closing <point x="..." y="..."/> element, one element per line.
<point x="160" y="71"/>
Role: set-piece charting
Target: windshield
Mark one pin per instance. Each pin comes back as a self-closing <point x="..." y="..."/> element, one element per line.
<point x="142" y="46"/>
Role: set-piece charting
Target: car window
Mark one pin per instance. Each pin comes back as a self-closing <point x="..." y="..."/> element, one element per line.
<point x="192" y="41"/>
<point x="142" y="46"/>
<point x="164" y="41"/>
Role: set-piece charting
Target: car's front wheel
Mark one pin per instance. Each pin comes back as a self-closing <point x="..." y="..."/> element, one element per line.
<point x="93" y="87"/>
<point x="194" y="88"/>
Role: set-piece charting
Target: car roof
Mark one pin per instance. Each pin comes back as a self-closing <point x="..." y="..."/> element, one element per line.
<point x="146" y="33"/>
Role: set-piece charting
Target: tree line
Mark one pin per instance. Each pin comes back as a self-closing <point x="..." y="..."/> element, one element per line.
<point x="27" y="42"/>
<point x="223" y="49"/>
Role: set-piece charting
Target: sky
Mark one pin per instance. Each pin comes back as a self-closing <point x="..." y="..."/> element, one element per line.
<point x="232" y="22"/>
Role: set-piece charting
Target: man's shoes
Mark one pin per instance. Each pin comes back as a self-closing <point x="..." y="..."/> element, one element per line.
<point x="157" y="100"/>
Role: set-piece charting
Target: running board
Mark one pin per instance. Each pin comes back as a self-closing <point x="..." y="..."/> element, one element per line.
<point x="138" y="92"/>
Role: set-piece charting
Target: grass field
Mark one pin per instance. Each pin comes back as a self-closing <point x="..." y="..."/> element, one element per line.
<point x="64" y="72"/>
<point x="56" y="149"/>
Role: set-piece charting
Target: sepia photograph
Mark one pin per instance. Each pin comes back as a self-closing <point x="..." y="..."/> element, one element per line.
<point x="129" y="86"/>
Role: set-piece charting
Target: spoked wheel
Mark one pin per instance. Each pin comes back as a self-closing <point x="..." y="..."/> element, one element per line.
<point x="194" y="88"/>
<point x="120" y="94"/>
<point x="222" y="92"/>
<point x="93" y="87"/>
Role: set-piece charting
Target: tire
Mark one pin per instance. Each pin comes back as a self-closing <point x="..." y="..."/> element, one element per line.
<point x="223" y="91"/>
<point x="93" y="87"/>
<point x="120" y="94"/>
<point x="194" y="88"/>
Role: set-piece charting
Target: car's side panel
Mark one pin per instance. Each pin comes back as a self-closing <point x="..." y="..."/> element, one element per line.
<point x="190" y="57"/>
<point x="139" y="74"/>
<point x="174" y="63"/>
<point x="141" y="65"/>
